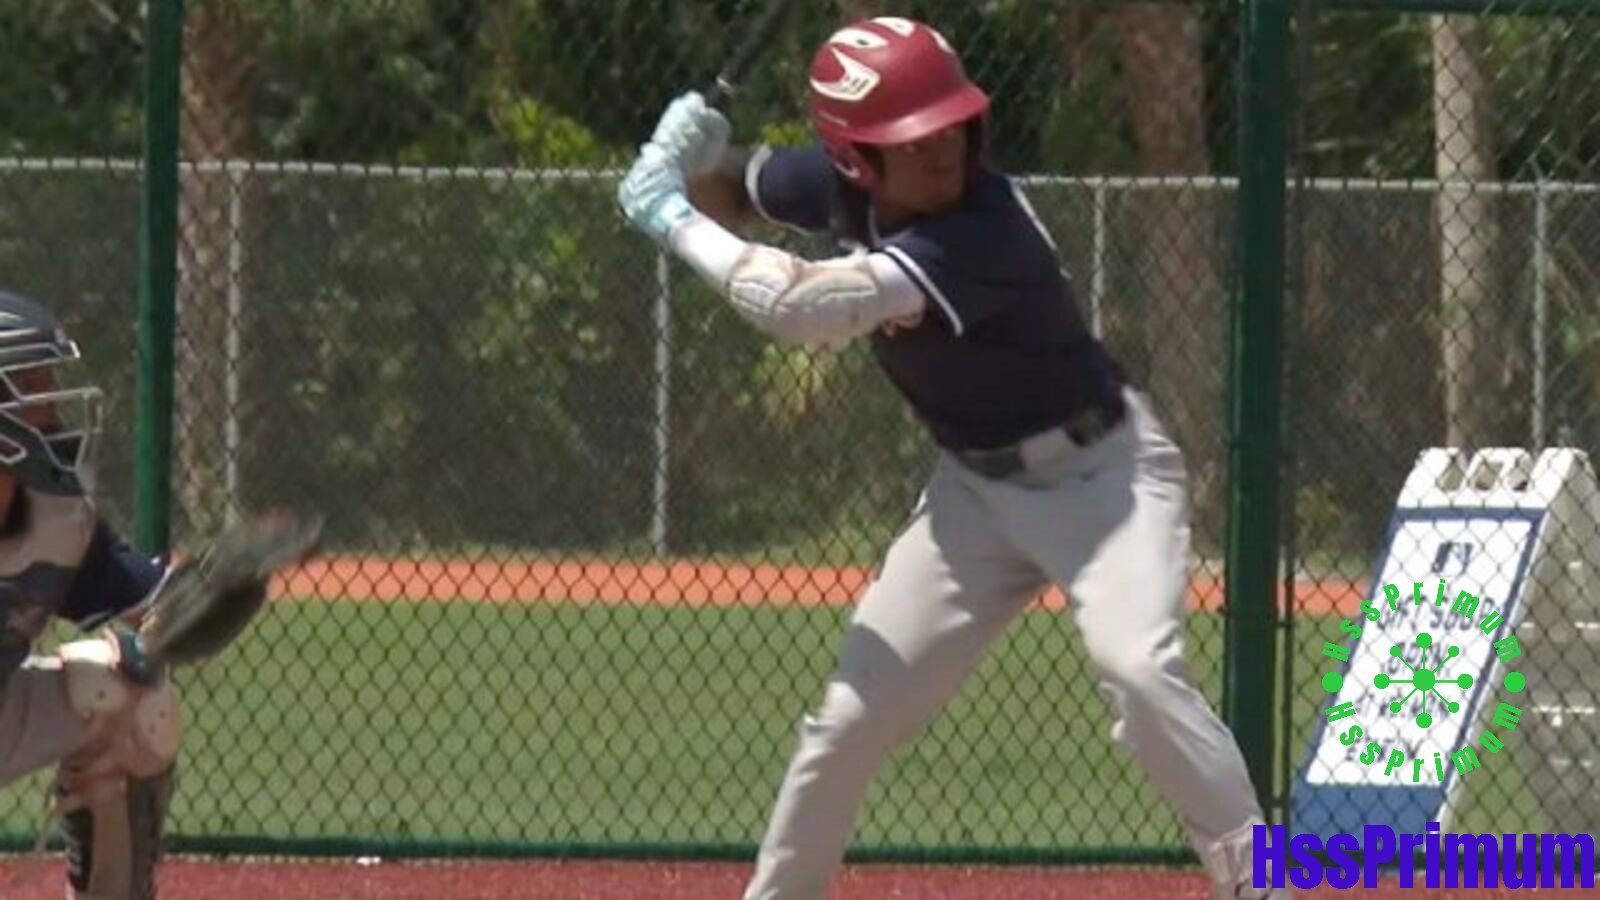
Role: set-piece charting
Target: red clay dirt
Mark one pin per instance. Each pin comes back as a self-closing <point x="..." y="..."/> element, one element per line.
<point x="604" y="880"/>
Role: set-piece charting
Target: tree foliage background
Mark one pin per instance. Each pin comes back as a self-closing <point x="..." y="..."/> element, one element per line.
<point x="468" y="360"/>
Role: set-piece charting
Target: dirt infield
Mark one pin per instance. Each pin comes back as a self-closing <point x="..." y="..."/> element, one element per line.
<point x="681" y="582"/>
<point x="188" y="879"/>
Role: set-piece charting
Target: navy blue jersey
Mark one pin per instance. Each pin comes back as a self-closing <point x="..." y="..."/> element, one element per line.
<point x="1001" y="351"/>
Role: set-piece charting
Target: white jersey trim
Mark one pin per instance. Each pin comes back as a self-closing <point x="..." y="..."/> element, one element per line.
<point x="1027" y="207"/>
<point x="752" y="180"/>
<point x="1038" y="225"/>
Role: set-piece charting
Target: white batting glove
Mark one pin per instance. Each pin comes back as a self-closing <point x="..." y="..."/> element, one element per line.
<point x="652" y="195"/>
<point x="693" y="132"/>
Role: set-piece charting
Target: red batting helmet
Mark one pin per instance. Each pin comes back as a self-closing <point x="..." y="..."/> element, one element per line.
<point x="886" y="80"/>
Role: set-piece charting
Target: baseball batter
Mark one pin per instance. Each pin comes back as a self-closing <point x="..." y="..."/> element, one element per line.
<point x="110" y="725"/>
<point x="1051" y="470"/>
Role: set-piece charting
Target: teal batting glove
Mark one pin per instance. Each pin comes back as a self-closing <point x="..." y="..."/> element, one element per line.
<point x="693" y="133"/>
<point x="653" y="196"/>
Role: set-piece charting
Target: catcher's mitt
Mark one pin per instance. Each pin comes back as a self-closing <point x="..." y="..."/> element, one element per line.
<point x="209" y="599"/>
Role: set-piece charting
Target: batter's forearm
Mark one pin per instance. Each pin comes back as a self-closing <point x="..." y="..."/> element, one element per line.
<point x="721" y="194"/>
<point x="824" y="303"/>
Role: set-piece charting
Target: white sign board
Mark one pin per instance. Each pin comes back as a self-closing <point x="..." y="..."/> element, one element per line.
<point x="1483" y="555"/>
<point x="1477" y="522"/>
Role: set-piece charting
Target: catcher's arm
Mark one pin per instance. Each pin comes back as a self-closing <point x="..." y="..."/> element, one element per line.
<point x="112" y="579"/>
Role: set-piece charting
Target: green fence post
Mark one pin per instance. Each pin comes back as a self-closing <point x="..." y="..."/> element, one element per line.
<point x="1256" y="364"/>
<point x="158" y="271"/>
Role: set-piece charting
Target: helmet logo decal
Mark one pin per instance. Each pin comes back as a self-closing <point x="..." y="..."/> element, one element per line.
<point x="859" y="38"/>
<point x="902" y="27"/>
<point x="943" y="44"/>
<point x="854" y="85"/>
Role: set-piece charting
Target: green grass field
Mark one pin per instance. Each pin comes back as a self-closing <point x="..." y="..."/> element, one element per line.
<point x="475" y="724"/>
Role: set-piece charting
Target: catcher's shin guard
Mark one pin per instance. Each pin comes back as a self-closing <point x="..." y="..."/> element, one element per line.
<point x="114" y="837"/>
<point x="113" y="791"/>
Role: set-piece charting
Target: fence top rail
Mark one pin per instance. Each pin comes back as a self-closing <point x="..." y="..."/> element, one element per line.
<point x="295" y="167"/>
<point x="512" y="174"/>
<point x="1541" y="8"/>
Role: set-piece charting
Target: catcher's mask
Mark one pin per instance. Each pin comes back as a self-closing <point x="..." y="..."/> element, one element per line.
<point x="50" y="417"/>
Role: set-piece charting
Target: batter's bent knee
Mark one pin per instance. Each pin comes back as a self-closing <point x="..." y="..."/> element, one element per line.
<point x="845" y="722"/>
<point x="1134" y="672"/>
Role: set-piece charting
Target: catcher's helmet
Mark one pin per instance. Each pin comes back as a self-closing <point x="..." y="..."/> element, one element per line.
<point x="887" y="80"/>
<point x="48" y="424"/>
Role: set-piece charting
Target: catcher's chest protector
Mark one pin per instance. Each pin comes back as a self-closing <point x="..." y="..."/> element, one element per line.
<point x="36" y="570"/>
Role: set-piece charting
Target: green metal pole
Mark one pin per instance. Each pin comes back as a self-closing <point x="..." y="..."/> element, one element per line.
<point x="158" y="274"/>
<point x="1256" y="368"/>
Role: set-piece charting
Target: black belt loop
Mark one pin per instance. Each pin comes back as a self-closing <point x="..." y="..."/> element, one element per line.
<point x="996" y="464"/>
<point x="1084" y="429"/>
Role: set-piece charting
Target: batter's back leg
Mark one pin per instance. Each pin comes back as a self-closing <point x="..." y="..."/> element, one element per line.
<point x="948" y="588"/>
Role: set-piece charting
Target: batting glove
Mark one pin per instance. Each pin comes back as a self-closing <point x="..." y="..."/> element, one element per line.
<point x="652" y="195"/>
<point x="693" y="132"/>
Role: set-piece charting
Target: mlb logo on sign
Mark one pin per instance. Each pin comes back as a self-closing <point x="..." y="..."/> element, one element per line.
<point x="1438" y="678"/>
<point x="1452" y="558"/>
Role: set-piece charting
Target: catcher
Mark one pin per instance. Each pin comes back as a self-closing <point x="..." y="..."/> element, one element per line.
<point x="102" y="709"/>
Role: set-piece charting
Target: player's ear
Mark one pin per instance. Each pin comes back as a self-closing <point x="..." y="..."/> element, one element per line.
<point x="874" y="158"/>
<point x="977" y="137"/>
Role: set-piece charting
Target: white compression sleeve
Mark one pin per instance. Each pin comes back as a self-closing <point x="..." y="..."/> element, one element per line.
<point x="708" y="248"/>
<point x="823" y="303"/>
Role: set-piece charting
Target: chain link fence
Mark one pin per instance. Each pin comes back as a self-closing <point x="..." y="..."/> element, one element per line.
<point x="593" y="540"/>
<point x="1443" y="232"/>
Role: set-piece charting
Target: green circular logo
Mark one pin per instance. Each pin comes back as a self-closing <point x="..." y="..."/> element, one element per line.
<point x="1426" y="681"/>
<point x="1394" y="689"/>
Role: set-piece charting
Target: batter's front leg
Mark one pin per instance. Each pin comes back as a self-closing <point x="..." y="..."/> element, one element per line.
<point x="1128" y="609"/>
<point x="948" y="588"/>
<point x="1117" y="536"/>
